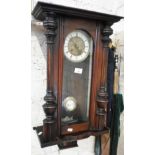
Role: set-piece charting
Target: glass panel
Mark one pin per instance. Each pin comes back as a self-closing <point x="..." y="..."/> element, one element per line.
<point x="76" y="89"/>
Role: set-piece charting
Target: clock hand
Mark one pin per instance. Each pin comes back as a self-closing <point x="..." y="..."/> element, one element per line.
<point x="76" y="46"/>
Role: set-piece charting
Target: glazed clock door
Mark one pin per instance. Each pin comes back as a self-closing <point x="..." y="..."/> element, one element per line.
<point x="76" y="84"/>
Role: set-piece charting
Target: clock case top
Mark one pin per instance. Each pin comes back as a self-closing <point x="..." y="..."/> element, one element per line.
<point x="69" y="19"/>
<point x="41" y="8"/>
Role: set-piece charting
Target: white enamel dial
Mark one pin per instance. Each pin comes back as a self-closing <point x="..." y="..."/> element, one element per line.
<point x="76" y="46"/>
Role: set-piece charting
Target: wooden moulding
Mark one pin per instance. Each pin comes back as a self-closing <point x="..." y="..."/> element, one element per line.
<point x="75" y="127"/>
<point x="50" y="107"/>
<point x="68" y="139"/>
<point x="42" y="7"/>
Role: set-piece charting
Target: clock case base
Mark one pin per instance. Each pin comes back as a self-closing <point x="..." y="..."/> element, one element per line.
<point x="68" y="141"/>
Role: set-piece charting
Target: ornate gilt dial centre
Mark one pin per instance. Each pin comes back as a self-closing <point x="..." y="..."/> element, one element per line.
<point x="77" y="46"/>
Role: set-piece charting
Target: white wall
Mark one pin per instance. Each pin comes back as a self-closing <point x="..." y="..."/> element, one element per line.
<point x="38" y="59"/>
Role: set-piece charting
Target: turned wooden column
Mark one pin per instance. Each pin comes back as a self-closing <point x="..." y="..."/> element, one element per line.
<point x="102" y="95"/>
<point x="49" y="123"/>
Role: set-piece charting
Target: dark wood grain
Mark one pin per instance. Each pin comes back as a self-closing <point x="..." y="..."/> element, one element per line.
<point x="60" y="71"/>
<point x="102" y="95"/>
<point x="41" y="8"/>
<point x="50" y="123"/>
<point x="66" y="145"/>
<point x="59" y="21"/>
<point x="76" y="128"/>
<point x="67" y="138"/>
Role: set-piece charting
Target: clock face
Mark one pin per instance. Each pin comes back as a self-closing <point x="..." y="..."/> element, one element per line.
<point x="76" y="47"/>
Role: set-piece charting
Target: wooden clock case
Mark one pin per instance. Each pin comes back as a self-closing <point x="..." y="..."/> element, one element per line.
<point x="58" y="22"/>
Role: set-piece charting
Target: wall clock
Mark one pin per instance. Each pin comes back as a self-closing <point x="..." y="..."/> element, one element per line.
<point x="76" y="100"/>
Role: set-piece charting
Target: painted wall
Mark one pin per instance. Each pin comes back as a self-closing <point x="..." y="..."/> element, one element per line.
<point x="38" y="68"/>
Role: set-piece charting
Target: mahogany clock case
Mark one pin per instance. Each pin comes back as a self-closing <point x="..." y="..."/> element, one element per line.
<point x="97" y="26"/>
